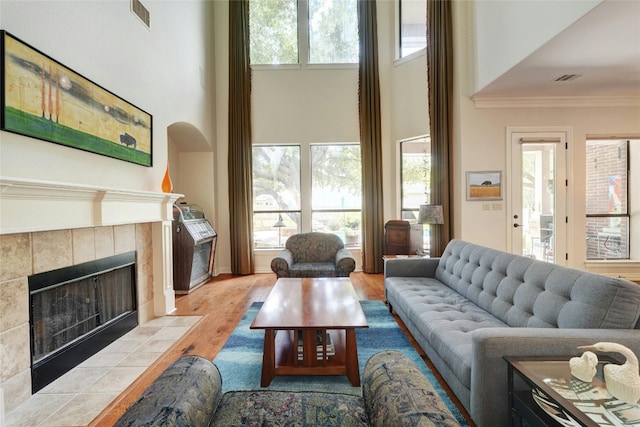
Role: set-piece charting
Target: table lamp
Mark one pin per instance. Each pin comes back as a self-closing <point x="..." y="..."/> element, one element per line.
<point x="430" y="214"/>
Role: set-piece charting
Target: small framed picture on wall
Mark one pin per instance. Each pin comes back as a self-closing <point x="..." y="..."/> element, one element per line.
<point x="484" y="185"/>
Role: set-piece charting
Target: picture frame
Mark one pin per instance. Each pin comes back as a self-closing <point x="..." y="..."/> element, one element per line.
<point x="484" y="185"/>
<point x="43" y="99"/>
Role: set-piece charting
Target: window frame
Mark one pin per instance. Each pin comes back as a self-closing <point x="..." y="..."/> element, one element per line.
<point x="279" y="212"/>
<point x="306" y="211"/>
<point x="404" y="210"/>
<point x="399" y="45"/>
<point x="298" y="44"/>
<point x="304" y="47"/>
<point x="611" y="215"/>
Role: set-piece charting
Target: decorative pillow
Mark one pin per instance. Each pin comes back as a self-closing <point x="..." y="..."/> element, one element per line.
<point x="397" y="394"/>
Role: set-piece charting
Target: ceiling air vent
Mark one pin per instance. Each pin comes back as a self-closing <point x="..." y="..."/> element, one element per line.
<point x="567" y="77"/>
<point x="141" y="12"/>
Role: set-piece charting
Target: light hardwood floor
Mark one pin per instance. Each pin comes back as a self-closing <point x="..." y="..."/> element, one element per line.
<point x="222" y="302"/>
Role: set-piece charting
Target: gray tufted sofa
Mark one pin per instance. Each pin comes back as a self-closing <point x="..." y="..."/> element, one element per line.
<point x="475" y="305"/>
<point x="188" y="394"/>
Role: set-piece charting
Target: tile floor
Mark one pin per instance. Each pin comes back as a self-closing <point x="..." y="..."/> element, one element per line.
<point x="81" y="394"/>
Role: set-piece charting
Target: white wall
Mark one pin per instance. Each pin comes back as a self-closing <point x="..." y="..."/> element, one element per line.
<point x="479" y="139"/>
<point x="159" y="70"/>
<point x="509" y="31"/>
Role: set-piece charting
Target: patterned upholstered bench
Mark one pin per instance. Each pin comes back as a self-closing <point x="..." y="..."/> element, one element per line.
<point x="188" y="393"/>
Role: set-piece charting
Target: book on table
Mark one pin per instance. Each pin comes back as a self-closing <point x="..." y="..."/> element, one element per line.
<point x="319" y="347"/>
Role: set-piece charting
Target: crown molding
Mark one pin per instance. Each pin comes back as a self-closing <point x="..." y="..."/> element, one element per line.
<point x="554" y="101"/>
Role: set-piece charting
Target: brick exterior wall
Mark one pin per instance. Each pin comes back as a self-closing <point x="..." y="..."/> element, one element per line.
<point x="606" y="173"/>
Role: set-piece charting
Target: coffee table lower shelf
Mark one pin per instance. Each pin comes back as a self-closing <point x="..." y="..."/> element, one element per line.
<point x="281" y="356"/>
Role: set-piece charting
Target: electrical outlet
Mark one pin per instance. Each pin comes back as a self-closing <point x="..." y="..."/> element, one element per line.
<point x="496" y="206"/>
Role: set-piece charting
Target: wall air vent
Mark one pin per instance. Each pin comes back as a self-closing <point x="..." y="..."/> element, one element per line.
<point x="567" y="77"/>
<point x="141" y="12"/>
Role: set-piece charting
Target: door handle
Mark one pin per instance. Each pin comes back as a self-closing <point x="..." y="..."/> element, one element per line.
<point x="516" y="225"/>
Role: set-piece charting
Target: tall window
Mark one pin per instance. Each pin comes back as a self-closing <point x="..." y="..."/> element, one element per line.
<point x="413" y="26"/>
<point x="331" y="36"/>
<point x="336" y="191"/>
<point x="273" y="28"/>
<point x="415" y="175"/>
<point x="333" y="32"/>
<point x="607" y="198"/>
<point x="325" y="197"/>
<point x="276" y="194"/>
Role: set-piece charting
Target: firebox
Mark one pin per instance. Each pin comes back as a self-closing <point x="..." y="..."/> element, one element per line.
<point x="76" y="311"/>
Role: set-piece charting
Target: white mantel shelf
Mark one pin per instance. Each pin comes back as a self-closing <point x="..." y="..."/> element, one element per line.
<point x="28" y="205"/>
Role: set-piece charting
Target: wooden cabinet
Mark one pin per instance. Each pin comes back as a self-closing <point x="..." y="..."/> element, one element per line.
<point x="397" y="237"/>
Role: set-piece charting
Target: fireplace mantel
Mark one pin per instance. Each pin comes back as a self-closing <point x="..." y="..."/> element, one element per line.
<point x="28" y="205"/>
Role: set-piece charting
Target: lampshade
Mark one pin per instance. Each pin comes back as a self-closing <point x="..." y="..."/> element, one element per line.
<point x="430" y="214"/>
<point x="279" y="222"/>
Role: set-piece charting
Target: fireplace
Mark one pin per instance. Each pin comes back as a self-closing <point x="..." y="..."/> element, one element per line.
<point x="82" y="223"/>
<point x="76" y="311"/>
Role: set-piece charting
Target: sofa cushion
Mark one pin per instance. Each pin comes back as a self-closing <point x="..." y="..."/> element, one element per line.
<point x="444" y="317"/>
<point x="523" y="292"/>
<point x="282" y="408"/>
<point x="312" y="269"/>
<point x="195" y="390"/>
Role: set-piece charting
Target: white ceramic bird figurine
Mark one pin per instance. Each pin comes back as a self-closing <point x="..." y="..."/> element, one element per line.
<point x="622" y="381"/>
<point x="584" y="367"/>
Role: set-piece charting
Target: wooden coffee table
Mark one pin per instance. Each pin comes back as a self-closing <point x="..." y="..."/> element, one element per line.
<point x="297" y="317"/>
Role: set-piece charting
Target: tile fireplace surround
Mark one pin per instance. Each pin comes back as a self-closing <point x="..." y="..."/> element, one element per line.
<point x="48" y="225"/>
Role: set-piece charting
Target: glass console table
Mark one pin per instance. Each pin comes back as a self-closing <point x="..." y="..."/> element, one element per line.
<point x="542" y="392"/>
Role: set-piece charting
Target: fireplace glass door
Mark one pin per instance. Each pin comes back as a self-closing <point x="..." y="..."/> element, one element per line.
<point x="69" y="311"/>
<point x="76" y="311"/>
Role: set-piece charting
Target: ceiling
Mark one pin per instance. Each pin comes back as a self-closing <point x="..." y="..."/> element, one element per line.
<point x="603" y="48"/>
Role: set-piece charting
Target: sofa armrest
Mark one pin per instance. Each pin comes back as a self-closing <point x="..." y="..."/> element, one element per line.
<point x="397" y="394"/>
<point x="489" y="369"/>
<point x="282" y="262"/>
<point x="186" y="394"/>
<point x="410" y="267"/>
<point x="345" y="263"/>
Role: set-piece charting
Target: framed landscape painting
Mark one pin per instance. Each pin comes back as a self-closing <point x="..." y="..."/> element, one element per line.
<point x="43" y="99"/>
<point x="484" y="185"/>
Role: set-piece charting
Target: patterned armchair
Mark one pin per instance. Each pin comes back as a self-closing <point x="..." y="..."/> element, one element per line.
<point x="314" y="255"/>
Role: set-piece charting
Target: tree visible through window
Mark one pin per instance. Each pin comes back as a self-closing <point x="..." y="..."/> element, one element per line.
<point x="276" y="194"/>
<point x="280" y="187"/>
<point x="336" y="191"/>
<point x="415" y="175"/>
<point x="333" y="32"/>
<point x="273" y="28"/>
<point x="332" y="36"/>
<point x="607" y="222"/>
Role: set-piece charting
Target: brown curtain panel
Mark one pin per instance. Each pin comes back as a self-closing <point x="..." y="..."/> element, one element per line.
<point x="370" y="139"/>
<point x="440" y="81"/>
<point x="240" y="165"/>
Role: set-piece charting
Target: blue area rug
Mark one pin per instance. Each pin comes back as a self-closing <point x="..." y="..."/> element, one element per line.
<point x="240" y="360"/>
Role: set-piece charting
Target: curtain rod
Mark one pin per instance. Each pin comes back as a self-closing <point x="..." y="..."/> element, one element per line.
<point x="535" y="140"/>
